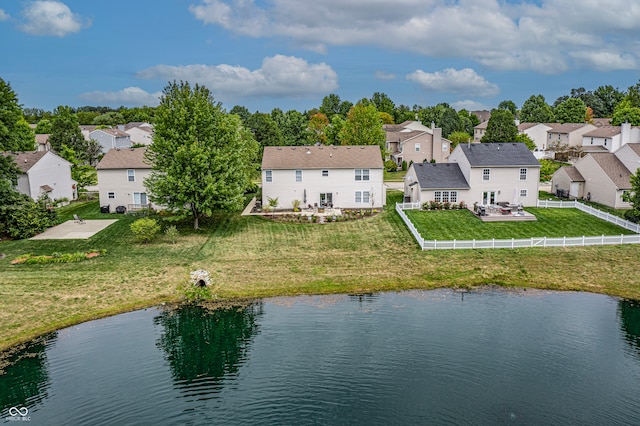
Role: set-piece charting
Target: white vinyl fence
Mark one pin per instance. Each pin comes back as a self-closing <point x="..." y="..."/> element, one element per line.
<point x="528" y="242"/>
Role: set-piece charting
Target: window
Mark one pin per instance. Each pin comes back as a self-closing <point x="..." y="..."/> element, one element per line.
<point x="362" y="197"/>
<point x="523" y="174"/>
<point x="139" y="198"/>
<point x="131" y="175"/>
<point x="445" y="196"/>
<point x="523" y="192"/>
<point x="111" y="195"/>
<point x="591" y="141"/>
<point x="325" y="173"/>
<point x="417" y="147"/>
<point x="486" y="174"/>
<point x="268" y="176"/>
<point x="362" y="174"/>
<point x="445" y="147"/>
<point x="605" y="141"/>
<point x="298" y="175"/>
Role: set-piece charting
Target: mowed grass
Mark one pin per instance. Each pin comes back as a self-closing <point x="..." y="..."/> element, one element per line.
<point x="255" y="257"/>
<point x="464" y="225"/>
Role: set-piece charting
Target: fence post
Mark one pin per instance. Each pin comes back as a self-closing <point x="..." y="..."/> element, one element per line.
<point x="621" y="238"/>
<point x="602" y="240"/>
<point x="583" y="241"/>
<point x="513" y="240"/>
<point x="544" y="241"/>
<point x="454" y="244"/>
<point x="564" y="241"/>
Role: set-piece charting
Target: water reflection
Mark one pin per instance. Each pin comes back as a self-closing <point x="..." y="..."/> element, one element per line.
<point x="629" y="317"/>
<point x="206" y="345"/>
<point x="25" y="380"/>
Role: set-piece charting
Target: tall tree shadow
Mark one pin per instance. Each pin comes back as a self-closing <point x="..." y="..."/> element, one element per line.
<point x="203" y="345"/>
<point x="629" y="315"/>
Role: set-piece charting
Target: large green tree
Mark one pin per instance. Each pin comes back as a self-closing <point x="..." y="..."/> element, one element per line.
<point x="508" y="105"/>
<point x="65" y="131"/>
<point x="609" y="97"/>
<point x="332" y="105"/>
<point x="633" y="197"/>
<point x="15" y="133"/>
<point x="572" y="110"/>
<point x="626" y="112"/>
<point x="501" y="127"/>
<point x="383" y="103"/>
<point x="265" y="130"/>
<point x="363" y="127"/>
<point x="536" y="110"/>
<point x="202" y="158"/>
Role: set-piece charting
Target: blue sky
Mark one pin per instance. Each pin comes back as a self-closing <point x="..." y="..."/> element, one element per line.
<point x="289" y="54"/>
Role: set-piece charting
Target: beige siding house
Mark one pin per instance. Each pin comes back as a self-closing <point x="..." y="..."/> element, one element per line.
<point x="139" y="132"/>
<point x="412" y="141"/>
<point x="44" y="172"/>
<point x="337" y="176"/>
<point x="602" y="177"/>
<point x="498" y="172"/>
<point x="538" y="134"/>
<point x="121" y="174"/>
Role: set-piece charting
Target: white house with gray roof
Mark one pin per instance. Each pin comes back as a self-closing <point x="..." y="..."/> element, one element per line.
<point x="331" y="176"/>
<point x="44" y="172"/>
<point x="493" y="172"/>
<point x="111" y="138"/>
<point x="441" y="182"/>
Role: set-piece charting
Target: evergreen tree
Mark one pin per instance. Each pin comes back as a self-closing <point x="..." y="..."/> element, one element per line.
<point x="501" y="127"/>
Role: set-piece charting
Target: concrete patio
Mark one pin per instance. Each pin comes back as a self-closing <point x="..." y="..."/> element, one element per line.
<point x="72" y="229"/>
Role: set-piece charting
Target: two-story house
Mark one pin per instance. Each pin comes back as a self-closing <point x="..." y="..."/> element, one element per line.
<point x="485" y="173"/>
<point x="333" y="176"/>
<point x="121" y="174"/>
<point x="412" y="141"/>
<point x="140" y="133"/>
<point x="44" y="172"/>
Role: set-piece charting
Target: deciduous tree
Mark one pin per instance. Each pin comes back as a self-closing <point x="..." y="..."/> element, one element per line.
<point x="536" y="110"/>
<point x="65" y="130"/>
<point x="363" y="127"/>
<point x="201" y="157"/>
<point x="573" y="110"/>
<point x="15" y="133"/>
<point x="501" y="127"/>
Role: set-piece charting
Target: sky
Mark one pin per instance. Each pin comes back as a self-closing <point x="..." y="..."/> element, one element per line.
<point x="290" y="54"/>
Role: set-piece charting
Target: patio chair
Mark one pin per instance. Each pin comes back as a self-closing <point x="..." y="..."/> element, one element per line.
<point x="78" y="219"/>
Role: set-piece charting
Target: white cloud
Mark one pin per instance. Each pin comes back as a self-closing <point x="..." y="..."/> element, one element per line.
<point x="3" y="15"/>
<point x="461" y="82"/>
<point x="51" y="18"/>
<point x="279" y="76"/>
<point x="131" y="96"/>
<point x="527" y="35"/>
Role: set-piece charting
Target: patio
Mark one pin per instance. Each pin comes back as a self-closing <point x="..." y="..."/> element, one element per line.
<point x="502" y="213"/>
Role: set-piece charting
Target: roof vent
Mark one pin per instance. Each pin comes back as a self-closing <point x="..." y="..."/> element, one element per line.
<point x="279" y="148"/>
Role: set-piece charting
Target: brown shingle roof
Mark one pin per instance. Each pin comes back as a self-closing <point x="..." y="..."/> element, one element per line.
<point x="635" y="147"/>
<point x="604" y="132"/>
<point x="613" y="167"/>
<point x="565" y="128"/>
<point x="113" y="132"/>
<point x="125" y="158"/>
<point x="322" y="157"/>
<point x="25" y="160"/>
<point x="42" y="139"/>
<point x="573" y="173"/>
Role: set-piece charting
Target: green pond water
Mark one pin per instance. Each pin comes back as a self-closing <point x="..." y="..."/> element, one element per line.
<point x="421" y="357"/>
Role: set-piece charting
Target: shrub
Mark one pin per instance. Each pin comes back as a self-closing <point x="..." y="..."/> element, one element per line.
<point x="404" y="166"/>
<point x="172" y="233"/>
<point x="145" y="229"/>
<point x="390" y="166"/>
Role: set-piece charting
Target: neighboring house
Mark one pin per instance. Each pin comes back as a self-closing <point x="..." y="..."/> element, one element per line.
<point x="412" y="141"/>
<point x="479" y="131"/>
<point x="482" y="115"/>
<point x="567" y="134"/>
<point x="44" y="172"/>
<point x="602" y="177"/>
<point x="441" y="182"/>
<point x="610" y="138"/>
<point x="111" y="138"/>
<point x="537" y="132"/>
<point x="121" y="174"/>
<point x="139" y="132"/>
<point x="43" y="142"/>
<point x="349" y="176"/>
<point x="86" y="130"/>
<point x="498" y="172"/>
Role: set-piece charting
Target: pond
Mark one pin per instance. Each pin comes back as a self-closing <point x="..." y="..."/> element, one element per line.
<point x="418" y="357"/>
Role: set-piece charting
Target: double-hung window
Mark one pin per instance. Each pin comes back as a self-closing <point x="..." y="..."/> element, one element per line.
<point x="268" y="176"/>
<point x="486" y="174"/>
<point x="362" y="197"/>
<point x="298" y="175"/>
<point x="523" y="174"/>
<point x="131" y="175"/>
<point x="362" y="174"/>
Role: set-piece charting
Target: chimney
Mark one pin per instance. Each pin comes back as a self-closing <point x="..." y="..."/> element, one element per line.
<point x="625" y="134"/>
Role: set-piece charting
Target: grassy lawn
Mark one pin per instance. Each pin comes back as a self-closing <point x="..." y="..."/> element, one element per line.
<point x="394" y="176"/>
<point x="463" y="225"/>
<point x="256" y="257"/>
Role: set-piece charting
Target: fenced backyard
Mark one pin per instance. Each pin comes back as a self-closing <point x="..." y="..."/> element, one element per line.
<point x="469" y="225"/>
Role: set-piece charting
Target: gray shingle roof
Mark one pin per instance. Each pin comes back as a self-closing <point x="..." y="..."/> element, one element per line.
<point x="321" y="157"/>
<point x="440" y="176"/>
<point x="499" y="155"/>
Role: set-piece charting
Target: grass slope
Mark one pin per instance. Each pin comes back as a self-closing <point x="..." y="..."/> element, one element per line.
<point x="255" y="257"/>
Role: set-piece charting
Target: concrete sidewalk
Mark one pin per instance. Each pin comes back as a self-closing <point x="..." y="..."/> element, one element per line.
<point x="73" y="230"/>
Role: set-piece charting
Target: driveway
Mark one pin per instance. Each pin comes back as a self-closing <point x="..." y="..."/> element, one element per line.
<point x="71" y="229"/>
